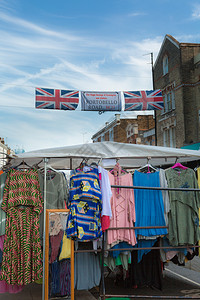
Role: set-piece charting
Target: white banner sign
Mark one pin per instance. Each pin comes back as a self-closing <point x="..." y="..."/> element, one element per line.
<point x="101" y="101"/>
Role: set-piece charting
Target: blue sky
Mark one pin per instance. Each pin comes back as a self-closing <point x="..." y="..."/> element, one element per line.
<point x="85" y="45"/>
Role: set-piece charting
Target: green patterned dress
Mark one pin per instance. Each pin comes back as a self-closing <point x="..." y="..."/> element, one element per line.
<point x="23" y="203"/>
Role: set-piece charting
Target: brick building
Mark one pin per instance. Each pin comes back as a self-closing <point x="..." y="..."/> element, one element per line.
<point x="128" y="128"/>
<point x="5" y="151"/>
<point x="177" y="74"/>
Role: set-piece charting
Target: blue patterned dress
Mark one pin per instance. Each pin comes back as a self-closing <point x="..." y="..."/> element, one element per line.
<point x="85" y="206"/>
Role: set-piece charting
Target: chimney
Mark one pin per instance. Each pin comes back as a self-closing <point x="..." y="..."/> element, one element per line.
<point x="117" y="117"/>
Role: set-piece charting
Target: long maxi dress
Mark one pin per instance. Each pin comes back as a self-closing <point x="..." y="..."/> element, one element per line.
<point x="149" y="206"/>
<point x="184" y="207"/>
<point x="123" y="209"/>
<point x="23" y="203"/>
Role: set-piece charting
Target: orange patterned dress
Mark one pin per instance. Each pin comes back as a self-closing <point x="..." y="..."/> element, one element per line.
<point x="23" y="203"/>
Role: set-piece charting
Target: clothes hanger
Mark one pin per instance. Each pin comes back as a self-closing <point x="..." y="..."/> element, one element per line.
<point x="23" y="163"/>
<point x="94" y="165"/>
<point x="52" y="169"/>
<point x="36" y="165"/>
<point x="82" y="164"/>
<point x="148" y="166"/>
<point x="117" y="166"/>
<point x="178" y="165"/>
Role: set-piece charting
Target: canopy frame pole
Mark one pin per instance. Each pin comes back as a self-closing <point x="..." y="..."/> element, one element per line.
<point x="102" y="268"/>
<point x="44" y="227"/>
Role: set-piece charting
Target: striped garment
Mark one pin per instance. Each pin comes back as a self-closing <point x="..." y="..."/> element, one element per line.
<point x="85" y="196"/>
<point x="23" y="203"/>
<point x="85" y="185"/>
<point x="84" y="220"/>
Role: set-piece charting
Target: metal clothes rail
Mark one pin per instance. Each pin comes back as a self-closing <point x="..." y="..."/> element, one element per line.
<point x="150" y="297"/>
<point x="155" y="188"/>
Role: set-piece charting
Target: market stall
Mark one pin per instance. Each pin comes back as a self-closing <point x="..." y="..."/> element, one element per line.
<point x="105" y="154"/>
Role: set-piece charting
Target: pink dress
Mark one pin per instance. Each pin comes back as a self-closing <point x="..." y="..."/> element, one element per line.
<point x="123" y="209"/>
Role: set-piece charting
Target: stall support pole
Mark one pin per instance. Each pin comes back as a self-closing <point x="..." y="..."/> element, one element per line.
<point x="44" y="230"/>
<point x="102" y="268"/>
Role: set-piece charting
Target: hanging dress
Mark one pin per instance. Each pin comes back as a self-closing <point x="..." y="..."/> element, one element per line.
<point x="148" y="205"/>
<point x="22" y="201"/>
<point x="123" y="209"/>
<point x="85" y="206"/>
<point x="184" y="207"/>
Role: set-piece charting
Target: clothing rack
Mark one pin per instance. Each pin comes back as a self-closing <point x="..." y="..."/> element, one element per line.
<point x="104" y="296"/>
<point x="133" y="249"/>
<point x="154" y="188"/>
<point x="70" y="167"/>
<point x="151" y="297"/>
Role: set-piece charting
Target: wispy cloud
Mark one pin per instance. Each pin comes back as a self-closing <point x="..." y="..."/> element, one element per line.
<point x="49" y="60"/>
<point x="137" y="14"/>
<point x="196" y="11"/>
<point x="32" y="55"/>
<point x="35" y="28"/>
<point x="188" y="38"/>
<point x="7" y="6"/>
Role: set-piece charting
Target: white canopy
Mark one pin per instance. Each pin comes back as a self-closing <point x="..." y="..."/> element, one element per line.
<point x="130" y="155"/>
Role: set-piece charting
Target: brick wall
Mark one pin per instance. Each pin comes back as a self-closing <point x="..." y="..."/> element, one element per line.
<point x="187" y="98"/>
<point x="191" y="96"/>
<point x="160" y="82"/>
<point x="143" y="123"/>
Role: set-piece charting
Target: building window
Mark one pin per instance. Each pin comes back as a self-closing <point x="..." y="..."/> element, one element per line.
<point x="165" y="65"/>
<point x="165" y="138"/>
<point x="103" y="138"/>
<point x="169" y="137"/>
<point x="172" y="137"/>
<point x="169" y="101"/>
<point x="173" y="99"/>
<point x="111" y="136"/>
<point x="135" y="129"/>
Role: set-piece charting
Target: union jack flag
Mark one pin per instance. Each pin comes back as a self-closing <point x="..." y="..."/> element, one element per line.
<point x="143" y="100"/>
<point x="56" y="99"/>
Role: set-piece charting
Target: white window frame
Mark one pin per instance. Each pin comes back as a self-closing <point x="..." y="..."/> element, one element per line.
<point x="173" y="99"/>
<point x="165" y="137"/>
<point x="111" y="135"/>
<point x="169" y="137"/>
<point x="172" y="134"/>
<point x="169" y="102"/>
<point x="165" y="65"/>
